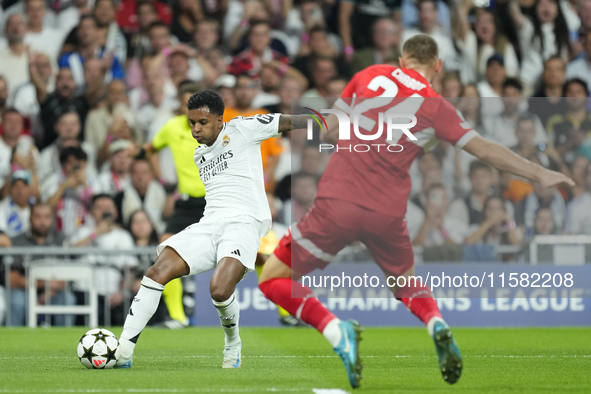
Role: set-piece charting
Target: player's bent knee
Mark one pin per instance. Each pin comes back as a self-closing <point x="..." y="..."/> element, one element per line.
<point x="168" y="266"/>
<point x="220" y="293"/>
<point x="156" y="274"/>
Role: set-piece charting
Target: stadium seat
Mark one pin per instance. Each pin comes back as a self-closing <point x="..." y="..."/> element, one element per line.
<point x="58" y="270"/>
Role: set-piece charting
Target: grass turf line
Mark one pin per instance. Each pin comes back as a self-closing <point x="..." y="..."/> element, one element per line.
<point x="396" y="360"/>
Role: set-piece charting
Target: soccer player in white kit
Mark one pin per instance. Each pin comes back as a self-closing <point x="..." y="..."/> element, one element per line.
<point x="236" y="216"/>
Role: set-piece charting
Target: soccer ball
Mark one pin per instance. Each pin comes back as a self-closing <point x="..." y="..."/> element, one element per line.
<point x="98" y="349"/>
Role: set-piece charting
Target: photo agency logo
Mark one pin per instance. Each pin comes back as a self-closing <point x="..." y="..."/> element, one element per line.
<point x="396" y="126"/>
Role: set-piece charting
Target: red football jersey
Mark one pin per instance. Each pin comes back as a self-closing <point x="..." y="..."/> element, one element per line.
<point x="377" y="178"/>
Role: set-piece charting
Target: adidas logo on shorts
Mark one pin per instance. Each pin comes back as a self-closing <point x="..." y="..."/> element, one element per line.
<point x="236" y="252"/>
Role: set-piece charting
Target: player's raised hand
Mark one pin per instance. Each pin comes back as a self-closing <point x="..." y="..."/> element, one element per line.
<point x="550" y="179"/>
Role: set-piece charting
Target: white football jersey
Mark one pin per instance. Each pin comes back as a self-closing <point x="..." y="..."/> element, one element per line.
<point x="232" y="169"/>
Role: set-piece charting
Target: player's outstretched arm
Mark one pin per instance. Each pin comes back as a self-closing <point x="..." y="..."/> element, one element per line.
<point x="292" y="122"/>
<point x="504" y="159"/>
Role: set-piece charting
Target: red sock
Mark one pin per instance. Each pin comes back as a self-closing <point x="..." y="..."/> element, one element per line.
<point x="419" y="301"/>
<point x="307" y="308"/>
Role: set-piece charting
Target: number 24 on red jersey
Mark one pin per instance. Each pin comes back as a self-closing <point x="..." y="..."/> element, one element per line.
<point x="391" y="90"/>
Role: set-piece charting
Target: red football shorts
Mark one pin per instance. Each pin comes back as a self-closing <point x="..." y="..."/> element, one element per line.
<point x="330" y="225"/>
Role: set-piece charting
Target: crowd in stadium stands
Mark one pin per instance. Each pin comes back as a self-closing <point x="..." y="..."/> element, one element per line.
<point x="83" y="82"/>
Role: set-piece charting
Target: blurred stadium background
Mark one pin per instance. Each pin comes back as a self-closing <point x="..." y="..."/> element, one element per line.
<point x="83" y="81"/>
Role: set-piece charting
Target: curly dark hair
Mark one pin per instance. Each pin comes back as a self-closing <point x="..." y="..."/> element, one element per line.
<point x="207" y="98"/>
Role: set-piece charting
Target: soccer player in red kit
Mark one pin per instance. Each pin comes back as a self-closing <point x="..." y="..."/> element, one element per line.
<point x="363" y="196"/>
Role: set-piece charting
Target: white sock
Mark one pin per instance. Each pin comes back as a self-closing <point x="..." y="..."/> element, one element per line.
<point x="332" y="332"/>
<point x="142" y="309"/>
<point x="229" y="312"/>
<point x="432" y="322"/>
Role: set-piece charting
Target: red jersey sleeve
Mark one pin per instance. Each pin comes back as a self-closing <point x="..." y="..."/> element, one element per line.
<point x="451" y="125"/>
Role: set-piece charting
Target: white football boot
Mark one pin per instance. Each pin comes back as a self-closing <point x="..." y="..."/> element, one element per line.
<point x="233" y="355"/>
<point x="124" y="363"/>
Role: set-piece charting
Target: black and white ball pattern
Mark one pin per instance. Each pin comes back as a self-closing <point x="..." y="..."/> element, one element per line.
<point x="98" y="349"/>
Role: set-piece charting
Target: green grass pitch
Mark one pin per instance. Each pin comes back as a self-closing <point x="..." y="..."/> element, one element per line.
<point x="396" y="360"/>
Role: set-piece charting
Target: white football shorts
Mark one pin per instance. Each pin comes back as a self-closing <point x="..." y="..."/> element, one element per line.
<point x="202" y="245"/>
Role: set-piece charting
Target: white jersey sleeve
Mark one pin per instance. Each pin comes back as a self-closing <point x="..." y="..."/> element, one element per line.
<point x="258" y="128"/>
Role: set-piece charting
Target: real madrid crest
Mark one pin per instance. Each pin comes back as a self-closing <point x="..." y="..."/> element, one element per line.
<point x="226" y="140"/>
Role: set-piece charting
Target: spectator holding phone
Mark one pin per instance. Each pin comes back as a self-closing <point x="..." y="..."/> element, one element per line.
<point x="497" y="227"/>
<point x="469" y="210"/>
<point x="103" y="215"/>
<point x="68" y="191"/>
